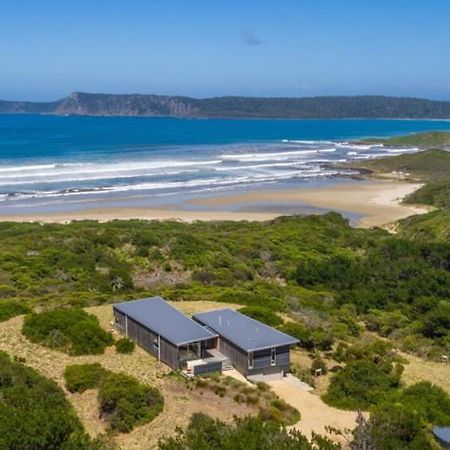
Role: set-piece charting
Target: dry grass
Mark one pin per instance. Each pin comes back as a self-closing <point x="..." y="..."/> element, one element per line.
<point x="420" y="370"/>
<point x="192" y="307"/>
<point x="303" y="359"/>
<point x="180" y="402"/>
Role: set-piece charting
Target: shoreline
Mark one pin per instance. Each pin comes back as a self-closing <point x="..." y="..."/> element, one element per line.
<point x="377" y="202"/>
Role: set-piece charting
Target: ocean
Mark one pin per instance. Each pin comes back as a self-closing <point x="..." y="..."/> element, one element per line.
<point x="54" y="163"/>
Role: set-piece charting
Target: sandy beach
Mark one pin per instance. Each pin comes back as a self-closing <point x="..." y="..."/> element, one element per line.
<point x="376" y="202"/>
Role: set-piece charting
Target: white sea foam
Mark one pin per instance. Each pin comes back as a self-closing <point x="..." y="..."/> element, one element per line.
<point x="402" y="150"/>
<point x="155" y="186"/>
<point x="267" y="156"/>
<point x="98" y="168"/>
<point x="347" y="145"/>
<point x="213" y="168"/>
<point x="306" y="142"/>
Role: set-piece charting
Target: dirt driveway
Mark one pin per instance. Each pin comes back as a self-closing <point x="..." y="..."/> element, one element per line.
<point x="315" y="414"/>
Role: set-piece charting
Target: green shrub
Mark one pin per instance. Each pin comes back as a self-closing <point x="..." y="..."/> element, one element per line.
<point x="80" y="377"/>
<point x="219" y="390"/>
<point x="252" y="399"/>
<point x="309" y="338"/>
<point x="403" y="421"/>
<point x="206" y="433"/>
<point x="262" y="314"/>
<point x="394" y="426"/>
<point x="9" y="309"/>
<point x="125" y="345"/>
<point x="34" y="412"/>
<point x="263" y="387"/>
<point x="318" y="364"/>
<point x="71" y="330"/>
<point x="431" y="402"/>
<point x="362" y="383"/>
<point x="126" y="403"/>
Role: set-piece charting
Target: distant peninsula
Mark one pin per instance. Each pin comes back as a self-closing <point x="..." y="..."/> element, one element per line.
<point x="331" y="107"/>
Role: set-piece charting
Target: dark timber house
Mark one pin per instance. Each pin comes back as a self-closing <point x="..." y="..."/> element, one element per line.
<point x="162" y="330"/>
<point x="253" y="348"/>
<point x="213" y="341"/>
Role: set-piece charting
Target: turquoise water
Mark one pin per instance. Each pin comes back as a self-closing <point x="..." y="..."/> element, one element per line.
<point x="62" y="162"/>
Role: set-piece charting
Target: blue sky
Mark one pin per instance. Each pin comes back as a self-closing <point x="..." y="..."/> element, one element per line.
<point x="50" y="48"/>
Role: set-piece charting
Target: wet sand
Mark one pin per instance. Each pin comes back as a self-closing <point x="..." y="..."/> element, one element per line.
<point x="376" y="202"/>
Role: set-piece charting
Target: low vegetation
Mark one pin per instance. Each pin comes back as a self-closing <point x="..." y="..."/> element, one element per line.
<point x="71" y="330"/>
<point x="326" y="275"/>
<point x="429" y="139"/>
<point x="262" y="314"/>
<point x="372" y="372"/>
<point x="10" y="309"/>
<point x="125" y="346"/>
<point x="123" y="402"/>
<point x="428" y="165"/>
<point x="310" y="337"/>
<point x="34" y="411"/>
<point x="403" y="420"/>
<point x="80" y="377"/>
<point x="268" y="405"/>
<point x="249" y="433"/>
<point x="400" y="417"/>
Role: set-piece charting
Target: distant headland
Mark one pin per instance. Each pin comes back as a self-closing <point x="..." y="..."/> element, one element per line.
<point x="330" y="107"/>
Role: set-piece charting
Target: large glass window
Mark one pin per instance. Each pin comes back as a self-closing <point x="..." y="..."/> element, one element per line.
<point x="189" y="352"/>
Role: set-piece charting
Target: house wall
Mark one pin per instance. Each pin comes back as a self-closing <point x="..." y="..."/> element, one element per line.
<point x="237" y="356"/>
<point x="262" y="361"/>
<point x="147" y="339"/>
<point x="214" y="366"/>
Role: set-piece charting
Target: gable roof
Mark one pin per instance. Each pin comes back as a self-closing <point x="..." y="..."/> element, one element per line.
<point x="162" y="318"/>
<point x="243" y="331"/>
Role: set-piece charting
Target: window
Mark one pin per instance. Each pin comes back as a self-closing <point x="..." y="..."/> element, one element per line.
<point x="250" y="360"/>
<point x="273" y="356"/>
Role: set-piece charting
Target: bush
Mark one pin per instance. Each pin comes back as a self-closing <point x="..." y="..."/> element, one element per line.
<point x="404" y="420"/>
<point x="361" y="384"/>
<point x="80" y="377"/>
<point x="431" y="402"/>
<point x="34" y="412"/>
<point x="318" y="363"/>
<point x="310" y="338"/>
<point x="71" y="330"/>
<point x="125" y="403"/>
<point x="393" y="426"/>
<point x="124" y="345"/>
<point x="262" y="314"/>
<point x="206" y="433"/>
<point x="10" y="309"/>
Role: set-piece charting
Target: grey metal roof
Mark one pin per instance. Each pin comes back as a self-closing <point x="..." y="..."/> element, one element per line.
<point x="442" y="433"/>
<point x="243" y="331"/>
<point x="163" y="319"/>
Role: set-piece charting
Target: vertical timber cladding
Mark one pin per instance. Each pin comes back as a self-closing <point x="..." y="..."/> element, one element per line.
<point x="237" y="356"/>
<point x="168" y="353"/>
<point x="119" y="319"/>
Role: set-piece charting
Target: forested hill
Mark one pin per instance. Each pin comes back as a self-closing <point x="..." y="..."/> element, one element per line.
<point x="236" y="107"/>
